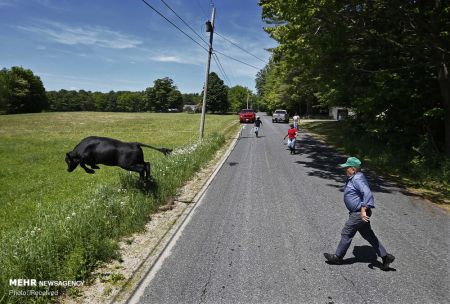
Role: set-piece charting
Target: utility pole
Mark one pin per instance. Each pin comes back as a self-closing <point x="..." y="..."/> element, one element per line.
<point x="210" y="29"/>
<point x="247" y="101"/>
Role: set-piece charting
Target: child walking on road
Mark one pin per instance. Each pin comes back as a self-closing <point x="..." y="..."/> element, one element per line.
<point x="292" y="134"/>
<point x="359" y="201"/>
<point x="258" y="124"/>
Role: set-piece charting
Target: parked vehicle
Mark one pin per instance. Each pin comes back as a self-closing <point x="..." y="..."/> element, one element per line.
<point x="280" y="116"/>
<point x="247" y="115"/>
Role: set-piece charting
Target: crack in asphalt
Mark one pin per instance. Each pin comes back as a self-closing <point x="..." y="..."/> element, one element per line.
<point x="353" y="283"/>
<point x="205" y="287"/>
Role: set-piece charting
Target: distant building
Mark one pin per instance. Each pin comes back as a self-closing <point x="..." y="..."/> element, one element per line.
<point x="340" y="113"/>
<point x="190" y="108"/>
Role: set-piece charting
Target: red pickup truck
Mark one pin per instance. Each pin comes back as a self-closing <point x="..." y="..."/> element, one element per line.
<point x="247" y="115"/>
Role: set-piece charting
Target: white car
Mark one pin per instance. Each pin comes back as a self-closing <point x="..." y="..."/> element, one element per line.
<point x="280" y="116"/>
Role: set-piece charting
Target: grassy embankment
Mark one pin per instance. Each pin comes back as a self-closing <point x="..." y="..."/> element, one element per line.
<point x="431" y="182"/>
<point x="56" y="225"/>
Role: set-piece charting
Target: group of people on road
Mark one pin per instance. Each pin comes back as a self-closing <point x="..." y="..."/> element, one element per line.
<point x="292" y="132"/>
<point x="358" y="199"/>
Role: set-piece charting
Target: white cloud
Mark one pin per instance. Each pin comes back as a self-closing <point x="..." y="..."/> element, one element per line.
<point x="83" y="35"/>
<point x="189" y="56"/>
<point x="167" y="59"/>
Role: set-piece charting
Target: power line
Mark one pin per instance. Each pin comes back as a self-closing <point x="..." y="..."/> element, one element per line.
<point x="237" y="60"/>
<point x="221" y="66"/>
<point x="221" y="72"/>
<point x="221" y="69"/>
<point x="184" y="22"/>
<point x="239" y="47"/>
<point x="154" y="9"/>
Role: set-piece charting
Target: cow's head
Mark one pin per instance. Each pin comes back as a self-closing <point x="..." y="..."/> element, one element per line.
<point x="71" y="161"/>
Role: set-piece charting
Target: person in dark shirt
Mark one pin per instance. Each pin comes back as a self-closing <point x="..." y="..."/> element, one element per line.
<point x="359" y="201"/>
<point x="258" y="124"/>
<point x="292" y="134"/>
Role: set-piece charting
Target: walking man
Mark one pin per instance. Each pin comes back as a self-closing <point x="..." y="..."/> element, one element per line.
<point x="359" y="201"/>
<point x="296" y="119"/>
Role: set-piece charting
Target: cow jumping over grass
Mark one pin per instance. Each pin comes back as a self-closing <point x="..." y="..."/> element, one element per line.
<point x="93" y="151"/>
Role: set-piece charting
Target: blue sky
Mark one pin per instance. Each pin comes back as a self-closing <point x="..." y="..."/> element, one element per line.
<point x="100" y="45"/>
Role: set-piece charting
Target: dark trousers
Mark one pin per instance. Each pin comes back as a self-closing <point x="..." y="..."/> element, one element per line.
<point x="354" y="224"/>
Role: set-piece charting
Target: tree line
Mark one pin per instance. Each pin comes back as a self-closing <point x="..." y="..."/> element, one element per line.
<point x="387" y="60"/>
<point x="23" y="92"/>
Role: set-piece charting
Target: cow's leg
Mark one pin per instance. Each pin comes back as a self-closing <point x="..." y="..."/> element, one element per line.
<point x="140" y="168"/>
<point x="94" y="167"/>
<point x="88" y="170"/>
<point x="147" y="170"/>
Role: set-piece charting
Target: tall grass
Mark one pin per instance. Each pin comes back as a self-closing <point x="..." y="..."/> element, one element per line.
<point x="60" y="226"/>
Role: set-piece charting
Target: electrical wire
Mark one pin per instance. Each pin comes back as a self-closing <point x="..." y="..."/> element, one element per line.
<point x="184" y="22"/>
<point x="223" y="76"/>
<point x="220" y="35"/>
<point x="222" y="71"/>
<point x="195" y="41"/>
<point x="159" y="13"/>
<point x="237" y="60"/>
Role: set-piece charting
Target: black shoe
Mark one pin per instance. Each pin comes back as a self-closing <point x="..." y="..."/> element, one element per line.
<point x="387" y="260"/>
<point x="333" y="259"/>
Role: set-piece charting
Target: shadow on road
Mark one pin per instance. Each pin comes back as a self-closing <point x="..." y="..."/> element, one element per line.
<point x="324" y="163"/>
<point x="365" y="254"/>
<point x="251" y="136"/>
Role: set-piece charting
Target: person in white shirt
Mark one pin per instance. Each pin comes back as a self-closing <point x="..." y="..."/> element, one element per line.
<point x="296" y="121"/>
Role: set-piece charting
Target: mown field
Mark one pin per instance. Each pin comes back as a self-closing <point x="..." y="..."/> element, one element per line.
<point x="56" y="225"/>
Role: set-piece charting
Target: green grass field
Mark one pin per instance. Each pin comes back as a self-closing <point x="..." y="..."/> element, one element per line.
<point x="56" y="225"/>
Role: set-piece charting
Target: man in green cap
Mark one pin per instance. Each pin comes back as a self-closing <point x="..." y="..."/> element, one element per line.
<point x="359" y="201"/>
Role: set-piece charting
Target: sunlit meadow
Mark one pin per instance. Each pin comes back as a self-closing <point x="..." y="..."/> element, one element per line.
<point x="56" y="225"/>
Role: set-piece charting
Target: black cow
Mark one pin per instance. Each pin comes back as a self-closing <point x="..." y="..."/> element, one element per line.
<point x="95" y="150"/>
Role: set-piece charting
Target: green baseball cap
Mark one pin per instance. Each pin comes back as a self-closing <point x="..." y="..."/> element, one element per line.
<point x="351" y="162"/>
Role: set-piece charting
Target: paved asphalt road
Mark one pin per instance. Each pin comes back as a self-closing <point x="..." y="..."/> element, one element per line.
<point x="260" y="231"/>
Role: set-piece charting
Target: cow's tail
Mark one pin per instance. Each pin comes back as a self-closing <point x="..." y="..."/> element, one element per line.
<point x="165" y="151"/>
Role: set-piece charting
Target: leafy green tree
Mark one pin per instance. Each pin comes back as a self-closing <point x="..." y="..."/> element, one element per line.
<point x="111" y="102"/>
<point x="191" y="98"/>
<point x="99" y="100"/>
<point x="388" y="60"/>
<point x="21" y="91"/>
<point x="175" y="100"/>
<point x="163" y="95"/>
<point x="237" y="97"/>
<point x="4" y="91"/>
<point x="148" y="98"/>
<point x="217" y="98"/>
<point x="125" y="102"/>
